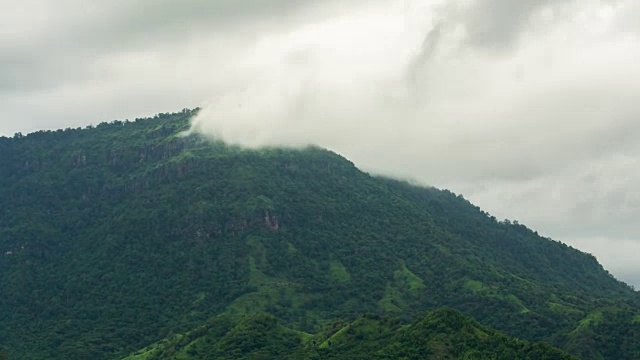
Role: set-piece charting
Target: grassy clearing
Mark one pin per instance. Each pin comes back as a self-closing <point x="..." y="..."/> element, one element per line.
<point x="338" y="272"/>
<point x="495" y="293"/>
<point x="563" y="309"/>
<point x="591" y="320"/>
<point x="413" y="282"/>
<point x="392" y="301"/>
<point x="474" y="285"/>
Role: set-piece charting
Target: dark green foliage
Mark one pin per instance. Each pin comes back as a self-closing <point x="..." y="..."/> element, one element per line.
<point x="119" y="235"/>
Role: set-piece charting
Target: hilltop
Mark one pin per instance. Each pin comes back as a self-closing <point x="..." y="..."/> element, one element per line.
<point x="440" y="334"/>
<point x="117" y="236"/>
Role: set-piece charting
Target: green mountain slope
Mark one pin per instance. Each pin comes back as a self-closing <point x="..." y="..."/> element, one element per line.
<point x="114" y="237"/>
<point x="441" y="334"/>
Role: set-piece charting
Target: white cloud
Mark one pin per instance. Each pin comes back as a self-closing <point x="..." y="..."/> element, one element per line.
<point x="562" y="96"/>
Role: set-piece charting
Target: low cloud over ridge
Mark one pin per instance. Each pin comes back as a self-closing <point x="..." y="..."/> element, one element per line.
<point x="513" y="104"/>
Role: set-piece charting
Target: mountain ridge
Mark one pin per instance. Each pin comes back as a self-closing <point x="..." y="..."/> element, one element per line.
<point x="126" y="232"/>
<point x="441" y="333"/>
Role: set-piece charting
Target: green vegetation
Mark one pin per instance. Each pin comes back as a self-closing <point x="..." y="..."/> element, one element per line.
<point x="441" y="334"/>
<point x="592" y="320"/>
<point x="564" y="309"/>
<point x="117" y="236"/>
<point x="414" y="284"/>
<point x="338" y="272"/>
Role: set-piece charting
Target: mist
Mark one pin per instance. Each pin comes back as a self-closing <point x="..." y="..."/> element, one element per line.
<point x="390" y="84"/>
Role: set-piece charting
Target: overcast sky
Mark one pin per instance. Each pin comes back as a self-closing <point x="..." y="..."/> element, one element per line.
<point x="529" y="108"/>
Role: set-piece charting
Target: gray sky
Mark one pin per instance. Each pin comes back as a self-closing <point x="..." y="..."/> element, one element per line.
<point x="531" y="108"/>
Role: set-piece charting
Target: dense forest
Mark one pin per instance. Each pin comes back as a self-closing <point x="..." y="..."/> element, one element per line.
<point x="133" y="233"/>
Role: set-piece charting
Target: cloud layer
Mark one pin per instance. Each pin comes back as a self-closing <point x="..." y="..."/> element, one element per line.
<point x="528" y="108"/>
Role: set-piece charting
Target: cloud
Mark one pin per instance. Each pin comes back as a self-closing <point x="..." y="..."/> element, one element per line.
<point x="554" y="100"/>
<point x="73" y="62"/>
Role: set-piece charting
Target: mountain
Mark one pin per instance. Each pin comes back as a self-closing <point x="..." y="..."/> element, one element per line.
<point x="440" y="334"/>
<point x="117" y="236"/>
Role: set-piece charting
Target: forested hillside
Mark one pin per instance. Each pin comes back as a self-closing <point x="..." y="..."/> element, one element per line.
<point x="441" y="334"/>
<point x="117" y="236"/>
